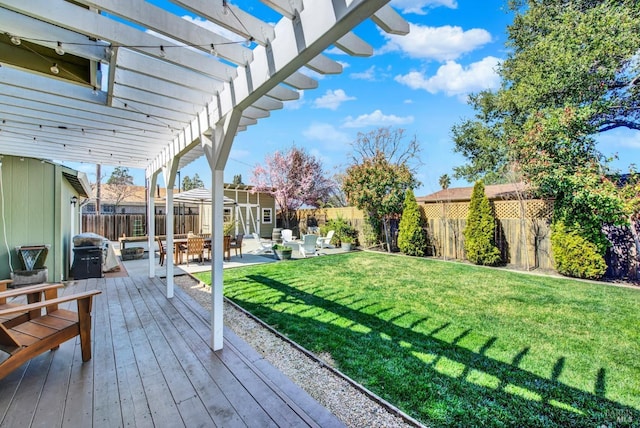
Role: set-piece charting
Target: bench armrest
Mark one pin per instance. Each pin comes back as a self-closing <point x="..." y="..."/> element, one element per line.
<point x="28" y="290"/>
<point x="43" y="304"/>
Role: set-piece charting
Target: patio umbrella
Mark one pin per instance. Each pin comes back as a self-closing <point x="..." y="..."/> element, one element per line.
<point x="199" y="196"/>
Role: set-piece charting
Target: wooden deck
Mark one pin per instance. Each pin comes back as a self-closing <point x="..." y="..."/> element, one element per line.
<point x="152" y="366"/>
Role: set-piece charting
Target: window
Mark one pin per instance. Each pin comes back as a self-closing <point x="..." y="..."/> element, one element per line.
<point x="108" y="209"/>
<point x="266" y="215"/>
<point x="226" y="216"/>
<point x="90" y="208"/>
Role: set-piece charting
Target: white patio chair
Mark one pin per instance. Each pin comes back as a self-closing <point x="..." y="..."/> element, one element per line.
<point x="263" y="244"/>
<point x="308" y="246"/>
<point x="325" y="241"/>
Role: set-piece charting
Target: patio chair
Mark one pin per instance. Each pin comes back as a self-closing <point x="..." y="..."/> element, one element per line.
<point x="287" y="235"/>
<point x="162" y="251"/>
<point x="236" y="244"/>
<point x="37" y="332"/>
<point x="195" y="247"/>
<point x="263" y="245"/>
<point x="308" y="245"/>
<point x="34" y="293"/>
<point x="325" y="241"/>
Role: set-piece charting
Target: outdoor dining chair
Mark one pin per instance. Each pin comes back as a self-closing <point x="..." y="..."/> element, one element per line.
<point x="236" y="244"/>
<point x="195" y="247"/>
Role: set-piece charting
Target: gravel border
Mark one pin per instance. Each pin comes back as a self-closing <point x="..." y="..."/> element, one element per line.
<point x="348" y="401"/>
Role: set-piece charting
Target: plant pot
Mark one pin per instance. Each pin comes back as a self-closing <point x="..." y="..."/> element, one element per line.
<point x="133" y="253"/>
<point x="346" y="246"/>
<point x="282" y="254"/>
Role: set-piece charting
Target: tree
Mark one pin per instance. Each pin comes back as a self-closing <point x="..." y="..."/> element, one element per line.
<point x="572" y="74"/>
<point x="121" y="184"/>
<point x="294" y="178"/>
<point x="337" y="198"/>
<point x="381" y="171"/>
<point x="237" y="179"/>
<point x="189" y="183"/>
<point x="573" y="66"/>
<point x="412" y="236"/>
<point x="445" y="181"/>
<point x="479" y="241"/>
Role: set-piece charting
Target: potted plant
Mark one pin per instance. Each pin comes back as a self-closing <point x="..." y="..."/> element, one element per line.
<point x="346" y="242"/>
<point x="345" y="234"/>
<point x="282" y="252"/>
<point x="227" y="229"/>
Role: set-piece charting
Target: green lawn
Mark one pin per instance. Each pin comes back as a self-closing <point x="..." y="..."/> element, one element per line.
<point x="459" y="345"/>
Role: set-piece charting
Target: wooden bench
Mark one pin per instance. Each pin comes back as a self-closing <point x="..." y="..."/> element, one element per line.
<point x="124" y="240"/>
<point x="38" y="332"/>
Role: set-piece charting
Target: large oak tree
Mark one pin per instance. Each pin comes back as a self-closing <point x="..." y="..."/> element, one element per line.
<point x="572" y="72"/>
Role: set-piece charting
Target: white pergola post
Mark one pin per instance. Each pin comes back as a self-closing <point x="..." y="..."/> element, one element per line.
<point x="217" y="259"/>
<point x="151" y="222"/>
<point x="170" y="172"/>
<point x="216" y="150"/>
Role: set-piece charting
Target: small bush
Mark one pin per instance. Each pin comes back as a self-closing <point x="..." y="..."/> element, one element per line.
<point x="412" y="236"/>
<point x="479" y="242"/>
<point x="342" y="228"/>
<point x="574" y="255"/>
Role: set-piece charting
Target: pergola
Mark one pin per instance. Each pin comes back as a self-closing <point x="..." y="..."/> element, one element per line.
<point x="175" y="91"/>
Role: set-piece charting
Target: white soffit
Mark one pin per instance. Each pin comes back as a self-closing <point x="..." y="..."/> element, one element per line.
<point x="169" y="80"/>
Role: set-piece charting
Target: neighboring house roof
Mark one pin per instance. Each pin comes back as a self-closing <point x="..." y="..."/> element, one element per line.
<point x="132" y="195"/>
<point x="136" y="195"/>
<point x="493" y="192"/>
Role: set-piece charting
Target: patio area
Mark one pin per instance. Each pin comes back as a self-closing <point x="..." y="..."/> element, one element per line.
<point x="141" y="266"/>
<point x="152" y="366"/>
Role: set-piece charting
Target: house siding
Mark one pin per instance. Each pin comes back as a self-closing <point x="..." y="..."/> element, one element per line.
<point x="37" y="210"/>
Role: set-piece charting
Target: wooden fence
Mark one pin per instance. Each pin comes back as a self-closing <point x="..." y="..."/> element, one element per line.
<point x="112" y="226"/>
<point x="522" y="231"/>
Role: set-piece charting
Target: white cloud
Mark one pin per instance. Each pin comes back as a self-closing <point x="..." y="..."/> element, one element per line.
<point x="619" y="138"/>
<point x="335" y="51"/>
<point x="454" y="79"/>
<point x="418" y="6"/>
<point x="439" y="43"/>
<point x="377" y="118"/>
<point x="296" y="104"/>
<point x="369" y="74"/>
<point x="327" y="133"/>
<point x="332" y="99"/>
<point x="311" y="73"/>
<point x="230" y="35"/>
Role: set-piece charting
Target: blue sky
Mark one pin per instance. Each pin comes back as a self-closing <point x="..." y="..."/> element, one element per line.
<point x="417" y="82"/>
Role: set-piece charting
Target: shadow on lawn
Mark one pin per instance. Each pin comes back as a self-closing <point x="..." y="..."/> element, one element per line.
<point x="406" y="368"/>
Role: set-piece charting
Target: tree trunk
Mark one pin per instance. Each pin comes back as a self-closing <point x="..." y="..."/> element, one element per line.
<point x="635" y="253"/>
<point x="385" y="225"/>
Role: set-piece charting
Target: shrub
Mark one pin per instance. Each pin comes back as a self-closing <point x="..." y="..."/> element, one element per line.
<point x="342" y="230"/>
<point x="412" y="236"/>
<point x="479" y="242"/>
<point x="574" y="255"/>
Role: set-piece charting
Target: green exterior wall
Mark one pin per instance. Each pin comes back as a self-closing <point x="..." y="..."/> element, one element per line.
<point x="35" y="209"/>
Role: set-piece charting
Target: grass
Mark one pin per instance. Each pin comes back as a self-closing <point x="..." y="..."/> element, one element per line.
<point x="458" y="345"/>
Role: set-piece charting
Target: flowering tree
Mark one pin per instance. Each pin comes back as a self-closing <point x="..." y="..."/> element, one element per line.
<point x="294" y="178"/>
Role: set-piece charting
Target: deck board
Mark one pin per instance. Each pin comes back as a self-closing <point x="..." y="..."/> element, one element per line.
<point x="152" y="366"/>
